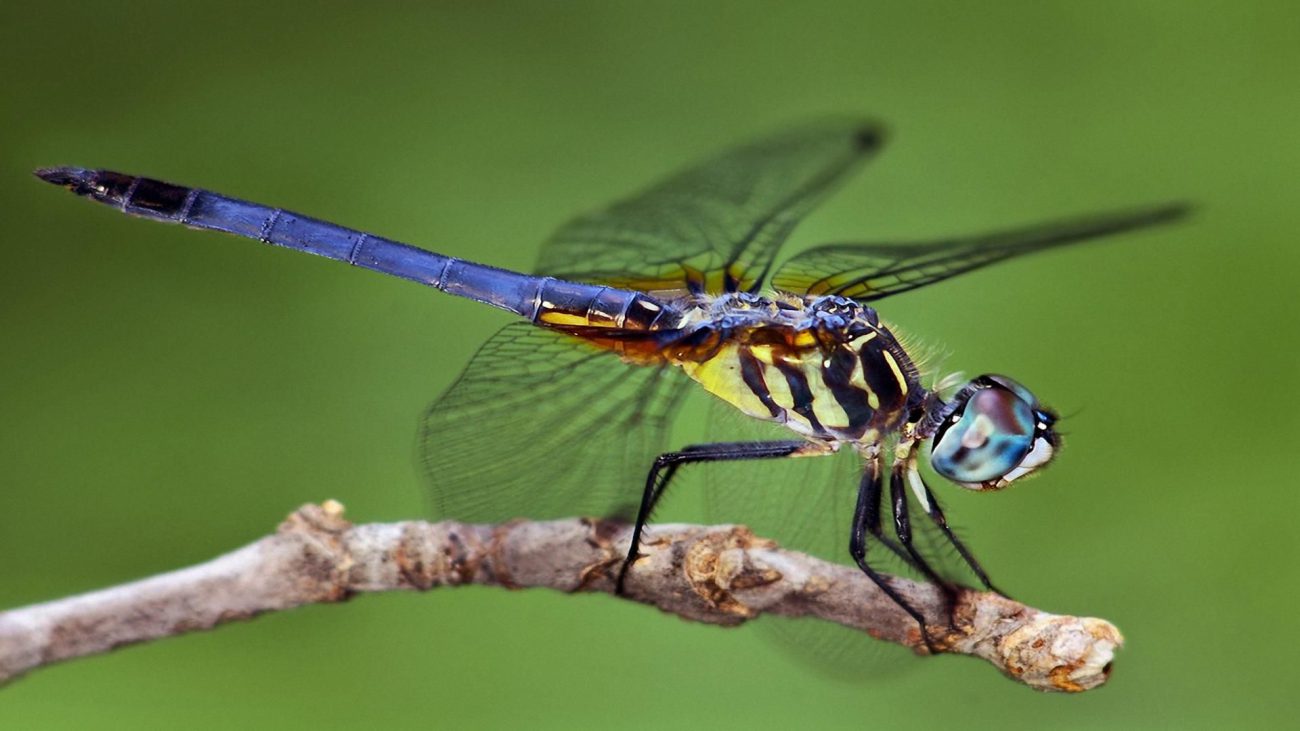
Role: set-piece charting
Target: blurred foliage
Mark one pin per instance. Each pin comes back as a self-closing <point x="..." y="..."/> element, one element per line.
<point x="169" y="395"/>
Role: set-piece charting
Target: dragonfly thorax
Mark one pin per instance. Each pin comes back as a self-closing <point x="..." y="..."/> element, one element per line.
<point x="829" y="314"/>
<point x="823" y="366"/>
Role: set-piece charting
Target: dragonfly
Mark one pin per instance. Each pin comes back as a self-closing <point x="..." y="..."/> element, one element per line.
<point x="567" y="409"/>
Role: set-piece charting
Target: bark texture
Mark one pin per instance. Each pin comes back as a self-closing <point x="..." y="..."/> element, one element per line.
<point x="715" y="574"/>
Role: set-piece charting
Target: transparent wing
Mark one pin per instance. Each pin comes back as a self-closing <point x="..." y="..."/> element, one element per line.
<point x="867" y="272"/>
<point x="716" y="226"/>
<point x="543" y="425"/>
<point x="806" y="504"/>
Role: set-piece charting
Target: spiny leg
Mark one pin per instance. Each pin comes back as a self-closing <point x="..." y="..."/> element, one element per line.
<point x="873" y="476"/>
<point x="931" y="505"/>
<point x="903" y="525"/>
<point x="866" y="518"/>
<point x="666" y="466"/>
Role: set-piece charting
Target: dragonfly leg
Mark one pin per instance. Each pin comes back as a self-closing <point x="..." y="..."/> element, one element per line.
<point x="903" y="529"/>
<point x="866" y="519"/>
<point x="666" y="466"/>
<point x="931" y="505"/>
<point x="903" y="524"/>
<point x="872" y="475"/>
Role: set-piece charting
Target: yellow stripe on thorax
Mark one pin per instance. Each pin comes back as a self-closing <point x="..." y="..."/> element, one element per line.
<point x="827" y="407"/>
<point x="720" y="376"/>
<point x="898" y="372"/>
<point x="858" y="379"/>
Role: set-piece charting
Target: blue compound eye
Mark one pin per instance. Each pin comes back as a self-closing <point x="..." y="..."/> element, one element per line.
<point x="1013" y="386"/>
<point x="995" y="434"/>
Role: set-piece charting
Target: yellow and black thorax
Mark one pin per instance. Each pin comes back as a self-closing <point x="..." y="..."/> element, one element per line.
<point x="823" y="366"/>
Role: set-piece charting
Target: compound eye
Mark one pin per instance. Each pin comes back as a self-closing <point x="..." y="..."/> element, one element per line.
<point x="1013" y="386"/>
<point x="987" y="437"/>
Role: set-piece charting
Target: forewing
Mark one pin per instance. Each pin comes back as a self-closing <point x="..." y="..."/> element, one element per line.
<point x="867" y="272"/>
<point x="543" y="425"/>
<point x="716" y="226"/>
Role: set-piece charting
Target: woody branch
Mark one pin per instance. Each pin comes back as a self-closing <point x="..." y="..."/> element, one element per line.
<point x="720" y="575"/>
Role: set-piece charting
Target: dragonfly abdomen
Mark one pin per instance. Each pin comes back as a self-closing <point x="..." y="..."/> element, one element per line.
<point x="563" y="303"/>
<point x="545" y="300"/>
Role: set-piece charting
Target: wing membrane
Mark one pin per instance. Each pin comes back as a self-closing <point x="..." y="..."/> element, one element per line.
<point x="716" y="226"/>
<point x="867" y="272"/>
<point x="543" y="425"/>
<point x="805" y="504"/>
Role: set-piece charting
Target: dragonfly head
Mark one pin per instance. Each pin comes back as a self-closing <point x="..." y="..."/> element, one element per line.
<point x="992" y="433"/>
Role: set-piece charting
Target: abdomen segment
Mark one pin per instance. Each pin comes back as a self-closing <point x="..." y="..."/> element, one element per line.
<point x="544" y="300"/>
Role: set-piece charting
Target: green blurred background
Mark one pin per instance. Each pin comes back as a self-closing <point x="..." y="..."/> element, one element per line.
<point x="168" y="395"/>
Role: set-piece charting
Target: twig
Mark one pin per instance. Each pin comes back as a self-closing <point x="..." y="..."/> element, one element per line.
<point x="720" y="575"/>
